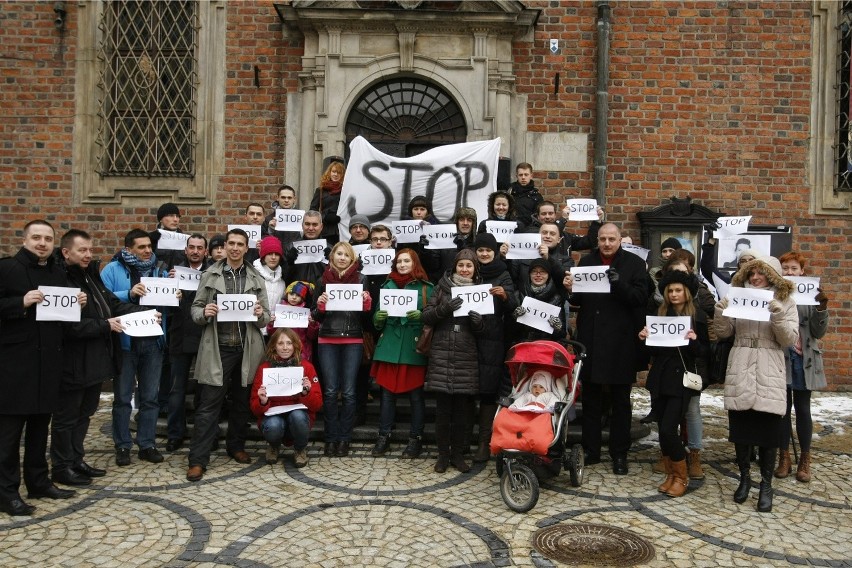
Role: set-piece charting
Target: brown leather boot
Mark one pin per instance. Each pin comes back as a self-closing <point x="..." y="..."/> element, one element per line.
<point x="660" y="466"/>
<point x="803" y="472"/>
<point x="785" y="466"/>
<point x="667" y="466"/>
<point x="695" y="469"/>
<point x="681" y="479"/>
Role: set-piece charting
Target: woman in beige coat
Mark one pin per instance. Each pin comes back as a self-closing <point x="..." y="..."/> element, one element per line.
<point x="756" y="378"/>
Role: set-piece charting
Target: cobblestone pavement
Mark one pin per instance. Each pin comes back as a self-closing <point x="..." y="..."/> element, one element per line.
<point x="364" y="511"/>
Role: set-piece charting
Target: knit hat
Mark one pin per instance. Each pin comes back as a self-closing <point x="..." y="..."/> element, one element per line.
<point x="303" y="289"/>
<point x="359" y="220"/>
<point x="689" y="281"/>
<point x="539" y="263"/>
<point x="671" y="243"/>
<point x="216" y="241"/>
<point x="486" y="240"/>
<point x="167" y="209"/>
<point x="773" y="262"/>
<point x="542" y="378"/>
<point x="269" y="245"/>
<point x="750" y="252"/>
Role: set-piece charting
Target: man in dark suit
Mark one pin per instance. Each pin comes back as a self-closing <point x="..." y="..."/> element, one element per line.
<point x="608" y="325"/>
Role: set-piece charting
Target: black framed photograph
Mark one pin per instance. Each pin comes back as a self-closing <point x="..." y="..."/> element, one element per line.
<point x="772" y="240"/>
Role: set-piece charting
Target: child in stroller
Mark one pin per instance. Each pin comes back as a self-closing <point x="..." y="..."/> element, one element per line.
<point x="540" y="398"/>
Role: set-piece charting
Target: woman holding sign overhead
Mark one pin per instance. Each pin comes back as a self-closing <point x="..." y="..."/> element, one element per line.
<point x="340" y="311"/>
<point x="669" y="396"/>
<point x="453" y="373"/>
<point x="397" y="367"/>
<point x="756" y="381"/>
<point x="275" y="422"/>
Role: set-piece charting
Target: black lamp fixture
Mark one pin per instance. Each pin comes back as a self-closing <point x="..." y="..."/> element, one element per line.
<point x="59" y="20"/>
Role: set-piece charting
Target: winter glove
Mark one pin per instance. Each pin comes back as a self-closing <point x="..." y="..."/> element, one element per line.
<point x="555" y="322"/>
<point x="292" y="255"/>
<point x="822" y="299"/>
<point x="413" y="315"/>
<point x="446" y="309"/>
<point x="722" y="304"/>
<point x="519" y="311"/>
<point x="613" y="276"/>
<point x="459" y="240"/>
<point x="476" y="322"/>
<point x="424" y="242"/>
<point x="330" y="219"/>
<point x="775" y="307"/>
<point x="380" y="317"/>
<point x="326" y="251"/>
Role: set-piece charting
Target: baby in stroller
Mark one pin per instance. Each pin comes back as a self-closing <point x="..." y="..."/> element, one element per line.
<point x="541" y="397"/>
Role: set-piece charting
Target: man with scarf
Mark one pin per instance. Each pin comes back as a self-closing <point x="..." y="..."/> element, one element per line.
<point x="142" y="356"/>
<point x="91" y="357"/>
<point x="524" y="192"/>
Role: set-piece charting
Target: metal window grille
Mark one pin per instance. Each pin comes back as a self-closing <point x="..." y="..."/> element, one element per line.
<point x="148" y="86"/>
<point x="407" y="110"/>
<point x="843" y="146"/>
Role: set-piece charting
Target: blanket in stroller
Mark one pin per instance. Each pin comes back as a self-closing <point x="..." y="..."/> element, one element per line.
<point x="525" y="431"/>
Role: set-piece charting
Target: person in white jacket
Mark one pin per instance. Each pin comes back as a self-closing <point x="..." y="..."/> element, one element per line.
<point x="269" y="267"/>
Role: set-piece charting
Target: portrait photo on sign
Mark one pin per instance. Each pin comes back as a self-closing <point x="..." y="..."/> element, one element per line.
<point x="773" y="240"/>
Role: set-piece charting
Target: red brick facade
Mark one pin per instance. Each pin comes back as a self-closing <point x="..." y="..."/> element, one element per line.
<point x="707" y="99"/>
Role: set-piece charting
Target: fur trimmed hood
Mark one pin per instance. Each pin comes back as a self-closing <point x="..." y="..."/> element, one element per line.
<point x="781" y="287"/>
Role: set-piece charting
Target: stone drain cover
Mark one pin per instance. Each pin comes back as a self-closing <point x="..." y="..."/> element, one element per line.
<point x="596" y="545"/>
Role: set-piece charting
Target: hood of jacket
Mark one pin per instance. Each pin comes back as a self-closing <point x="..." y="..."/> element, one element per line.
<point x="781" y="287"/>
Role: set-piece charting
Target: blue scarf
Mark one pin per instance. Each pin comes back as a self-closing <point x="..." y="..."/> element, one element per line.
<point x="137" y="267"/>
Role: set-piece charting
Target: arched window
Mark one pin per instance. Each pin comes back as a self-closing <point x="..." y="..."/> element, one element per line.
<point x="405" y="116"/>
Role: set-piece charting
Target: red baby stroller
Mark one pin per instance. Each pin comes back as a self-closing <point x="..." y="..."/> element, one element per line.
<point x="528" y="444"/>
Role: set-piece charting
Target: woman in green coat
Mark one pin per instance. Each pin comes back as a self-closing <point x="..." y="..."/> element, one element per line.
<point x="397" y="367"/>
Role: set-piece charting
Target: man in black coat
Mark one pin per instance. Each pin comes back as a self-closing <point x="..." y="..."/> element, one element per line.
<point x="92" y="356"/>
<point x="608" y="325"/>
<point x="168" y="219"/>
<point x="309" y="271"/>
<point x="526" y="195"/>
<point x="32" y="351"/>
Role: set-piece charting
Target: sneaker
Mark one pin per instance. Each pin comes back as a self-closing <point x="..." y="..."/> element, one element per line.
<point x="382" y="445"/>
<point x="122" y="457"/>
<point x="151" y="455"/>
<point x="301" y="458"/>
<point x="413" y="449"/>
<point x="272" y="453"/>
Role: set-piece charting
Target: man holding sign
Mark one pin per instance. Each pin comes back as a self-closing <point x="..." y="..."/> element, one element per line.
<point x="32" y="351"/>
<point x="229" y="354"/>
<point x="168" y="220"/>
<point x="142" y="361"/>
<point x="306" y="271"/>
<point x="608" y="325"/>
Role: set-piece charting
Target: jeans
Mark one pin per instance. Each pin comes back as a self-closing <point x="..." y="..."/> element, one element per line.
<point x="694" y="426"/>
<point x="340" y="363"/>
<point x="388" y="411"/>
<point x="207" y="415"/>
<point x="295" y="425"/>
<point x="181" y="364"/>
<point x="70" y="425"/>
<point x="143" y="363"/>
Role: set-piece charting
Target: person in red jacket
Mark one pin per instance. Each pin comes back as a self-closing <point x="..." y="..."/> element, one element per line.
<point x="292" y="426"/>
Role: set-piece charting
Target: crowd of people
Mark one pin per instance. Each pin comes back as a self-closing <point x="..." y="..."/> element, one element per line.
<point x="54" y="387"/>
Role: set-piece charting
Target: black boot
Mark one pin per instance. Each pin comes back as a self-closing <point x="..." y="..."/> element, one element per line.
<point x="767" y="457"/>
<point x="486" y="419"/>
<point x="744" y="463"/>
<point x="442" y="440"/>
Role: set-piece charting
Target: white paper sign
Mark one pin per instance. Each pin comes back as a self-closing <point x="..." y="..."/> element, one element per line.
<point x="141" y="324"/>
<point x="344" y="298"/>
<point x="397" y="302"/>
<point x="283" y="381"/>
<point x="440" y="236"/>
<point x="638" y="251"/>
<point x="253" y="232"/>
<point x="360" y="248"/>
<point x="291" y="316"/>
<point x="748" y="303"/>
<point x="236" y="307"/>
<point x="721" y="286"/>
<point x="538" y="314"/>
<point x="582" y="210"/>
<point x="377" y="261"/>
<point x="310" y="251"/>
<point x="284" y="409"/>
<point x="160" y="292"/>
<point x="806" y="290"/>
<point x="289" y="220"/>
<point x="59" y="304"/>
<point x="501" y="229"/>
<point x="187" y="278"/>
<point x="408" y="231"/>
<point x="523" y="246"/>
<point x="731" y="226"/>
<point x="172" y="240"/>
<point x="474" y="298"/>
<point x="664" y="331"/>
<point x="590" y="279"/>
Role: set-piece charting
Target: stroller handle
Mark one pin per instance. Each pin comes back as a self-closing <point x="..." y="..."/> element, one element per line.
<point x="579" y="348"/>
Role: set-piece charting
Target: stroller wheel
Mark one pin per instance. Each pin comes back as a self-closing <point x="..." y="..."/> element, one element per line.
<point x="519" y="488"/>
<point x="576" y="466"/>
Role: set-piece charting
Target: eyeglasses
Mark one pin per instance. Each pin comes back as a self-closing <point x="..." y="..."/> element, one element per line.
<point x="379" y="240"/>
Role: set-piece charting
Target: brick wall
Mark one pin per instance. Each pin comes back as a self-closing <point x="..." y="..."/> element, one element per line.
<point x="707" y="99"/>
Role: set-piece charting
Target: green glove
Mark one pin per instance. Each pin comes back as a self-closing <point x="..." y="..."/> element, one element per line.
<point x="381" y="316"/>
<point x="413" y="315"/>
